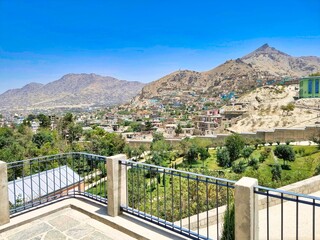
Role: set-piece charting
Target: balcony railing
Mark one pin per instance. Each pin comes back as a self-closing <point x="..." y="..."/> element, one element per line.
<point x="184" y="202"/>
<point x="190" y="204"/>
<point x="297" y="216"/>
<point x="40" y="180"/>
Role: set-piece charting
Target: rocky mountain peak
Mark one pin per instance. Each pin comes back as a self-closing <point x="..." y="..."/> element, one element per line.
<point x="264" y="46"/>
<point x="33" y="85"/>
<point x="239" y="75"/>
<point x="264" y="50"/>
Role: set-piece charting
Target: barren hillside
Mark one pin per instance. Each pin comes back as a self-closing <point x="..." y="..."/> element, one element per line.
<point x="72" y="90"/>
<point x="264" y="109"/>
<point x="241" y="75"/>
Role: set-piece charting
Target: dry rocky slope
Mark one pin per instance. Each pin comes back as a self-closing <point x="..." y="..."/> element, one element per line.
<point x="71" y="91"/>
<point x="264" y="109"/>
<point x="240" y="75"/>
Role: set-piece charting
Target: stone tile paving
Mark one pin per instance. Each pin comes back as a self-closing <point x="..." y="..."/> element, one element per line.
<point x="67" y="224"/>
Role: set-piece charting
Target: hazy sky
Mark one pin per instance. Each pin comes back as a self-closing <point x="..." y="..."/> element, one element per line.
<point x="40" y="41"/>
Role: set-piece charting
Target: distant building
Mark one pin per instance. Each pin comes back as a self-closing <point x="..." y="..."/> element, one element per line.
<point x="209" y="123"/>
<point x="35" y="126"/>
<point x="309" y="87"/>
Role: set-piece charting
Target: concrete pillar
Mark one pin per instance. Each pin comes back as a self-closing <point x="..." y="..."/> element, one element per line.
<point x="4" y="198"/>
<point x="116" y="178"/>
<point x="246" y="209"/>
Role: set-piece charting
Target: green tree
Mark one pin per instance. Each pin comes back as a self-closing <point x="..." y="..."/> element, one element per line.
<point x="204" y="154"/>
<point x="254" y="163"/>
<point x="68" y="118"/>
<point x="276" y="172"/>
<point x="178" y="130"/>
<point x="246" y="152"/>
<point x="228" y="232"/>
<point x="192" y="154"/>
<point x="285" y="152"/>
<point x="239" y="167"/>
<point x="31" y="117"/>
<point x="128" y="151"/>
<point x="160" y="151"/>
<point x="41" y="138"/>
<point x="136" y="126"/>
<point x="148" y="126"/>
<point x="184" y="146"/>
<point x="104" y="143"/>
<point x="264" y="154"/>
<point x="256" y="142"/>
<point x="223" y="158"/>
<point x="234" y="143"/>
<point x="44" y="120"/>
<point x="6" y="137"/>
<point x="157" y="136"/>
<point x="156" y="159"/>
<point x="74" y="132"/>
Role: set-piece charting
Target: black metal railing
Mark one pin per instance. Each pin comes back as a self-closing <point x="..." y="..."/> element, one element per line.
<point x="189" y="203"/>
<point x="40" y="180"/>
<point x="288" y="215"/>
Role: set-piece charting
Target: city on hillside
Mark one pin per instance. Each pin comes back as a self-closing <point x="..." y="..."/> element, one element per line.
<point x="126" y="120"/>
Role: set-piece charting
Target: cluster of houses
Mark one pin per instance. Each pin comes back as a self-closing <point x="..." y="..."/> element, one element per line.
<point x="177" y="115"/>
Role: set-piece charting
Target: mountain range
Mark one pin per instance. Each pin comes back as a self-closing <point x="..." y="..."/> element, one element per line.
<point x="84" y="90"/>
<point x="264" y="64"/>
<point x="71" y="91"/>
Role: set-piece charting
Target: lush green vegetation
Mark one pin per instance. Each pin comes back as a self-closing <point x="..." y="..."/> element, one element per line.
<point x="159" y="194"/>
<point x="19" y="142"/>
<point x="153" y="191"/>
<point x="273" y="165"/>
<point x="261" y="165"/>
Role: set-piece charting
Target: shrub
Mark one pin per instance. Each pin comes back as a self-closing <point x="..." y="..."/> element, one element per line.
<point x="317" y="170"/>
<point x="223" y="158"/>
<point x="276" y="172"/>
<point x="285" y="152"/>
<point x="234" y="144"/>
<point x="228" y="226"/>
<point x="254" y="163"/>
<point x="246" y="152"/>
<point x="239" y="167"/>
<point x="300" y="151"/>
<point x="264" y="154"/>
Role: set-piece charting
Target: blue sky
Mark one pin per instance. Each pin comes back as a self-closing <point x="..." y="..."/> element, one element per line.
<point x="143" y="40"/>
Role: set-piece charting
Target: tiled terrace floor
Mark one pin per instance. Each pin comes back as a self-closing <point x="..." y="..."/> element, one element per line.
<point x="64" y="224"/>
<point x="79" y="218"/>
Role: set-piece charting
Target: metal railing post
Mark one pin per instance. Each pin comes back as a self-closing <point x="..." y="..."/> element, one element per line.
<point x="4" y="198"/>
<point x="246" y="209"/>
<point x="116" y="178"/>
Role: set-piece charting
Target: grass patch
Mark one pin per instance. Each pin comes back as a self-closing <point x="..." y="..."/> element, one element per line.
<point x="100" y="189"/>
<point x="307" y="159"/>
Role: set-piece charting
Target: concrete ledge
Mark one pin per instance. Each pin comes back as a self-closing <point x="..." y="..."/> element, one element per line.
<point x="126" y="223"/>
<point x="306" y="186"/>
<point x="212" y="216"/>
